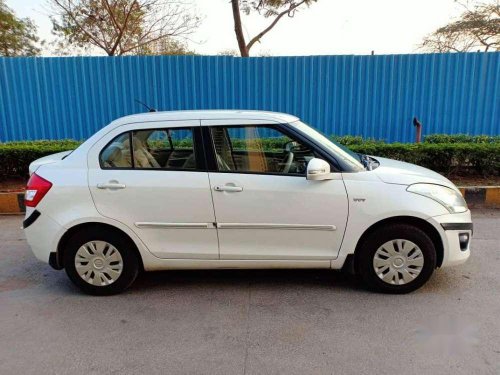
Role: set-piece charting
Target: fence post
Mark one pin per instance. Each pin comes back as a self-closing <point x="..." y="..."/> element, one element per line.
<point x="418" y="126"/>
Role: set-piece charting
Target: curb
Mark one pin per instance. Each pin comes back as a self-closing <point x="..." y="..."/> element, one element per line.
<point x="475" y="196"/>
<point x="12" y="203"/>
<point x="481" y="196"/>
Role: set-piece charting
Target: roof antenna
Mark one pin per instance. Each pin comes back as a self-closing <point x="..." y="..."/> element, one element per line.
<point x="150" y="109"/>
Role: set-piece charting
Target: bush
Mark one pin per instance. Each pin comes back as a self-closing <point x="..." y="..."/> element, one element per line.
<point x="350" y="140"/>
<point x="450" y="159"/>
<point x="15" y="157"/>
<point x="469" y="158"/>
<point x="461" y="138"/>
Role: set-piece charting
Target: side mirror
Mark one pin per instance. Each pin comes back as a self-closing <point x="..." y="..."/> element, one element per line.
<point x="318" y="170"/>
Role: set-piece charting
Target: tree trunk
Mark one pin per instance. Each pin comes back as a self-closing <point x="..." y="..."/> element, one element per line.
<point x="238" y="29"/>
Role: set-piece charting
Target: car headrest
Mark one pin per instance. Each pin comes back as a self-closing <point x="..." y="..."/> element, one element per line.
<point x="112" y="154"/>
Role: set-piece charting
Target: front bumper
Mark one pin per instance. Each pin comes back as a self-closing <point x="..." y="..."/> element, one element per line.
<point x="456" y="234"/>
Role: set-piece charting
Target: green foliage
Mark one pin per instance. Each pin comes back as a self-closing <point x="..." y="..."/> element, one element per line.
<point x="165" y="47"/>
<point x="122" y="27"/>
<point x="87" y="23"/>
<point x="17" y="35"/>
<point x="17" y="156"/>
<point x="468" y="158"/>
<point x="478" y="28"/>
<point x="350" y="140"/>
<point x="272" y="8"/>
<point x="461" y="138"/>
<point x="266" y="144"/>
<point x="460" y="159"/>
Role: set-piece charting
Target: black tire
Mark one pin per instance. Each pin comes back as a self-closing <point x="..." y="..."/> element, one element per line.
<point x="365" y="257"/>
<point x="122" y="244"/>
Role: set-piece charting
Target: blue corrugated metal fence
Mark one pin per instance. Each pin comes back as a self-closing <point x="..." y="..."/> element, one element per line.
<point x="372" y="96"/>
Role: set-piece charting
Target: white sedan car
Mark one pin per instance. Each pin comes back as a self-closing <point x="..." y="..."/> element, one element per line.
<point x="238" y="189"/>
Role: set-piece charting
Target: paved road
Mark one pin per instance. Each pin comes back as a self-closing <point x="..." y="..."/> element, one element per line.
<point x="250" y="322"/>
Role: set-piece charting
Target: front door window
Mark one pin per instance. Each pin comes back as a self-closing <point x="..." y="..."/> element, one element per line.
<point x="259" y="149"/>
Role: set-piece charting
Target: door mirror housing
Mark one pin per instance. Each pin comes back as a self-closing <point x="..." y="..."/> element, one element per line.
<point x="318" y="170"/>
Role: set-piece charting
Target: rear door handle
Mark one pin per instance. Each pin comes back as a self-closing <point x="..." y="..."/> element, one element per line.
<point x="111" y="185"/>
<point x="229" y="188"/>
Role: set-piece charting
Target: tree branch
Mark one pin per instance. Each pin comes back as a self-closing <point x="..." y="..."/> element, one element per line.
<point x="80" y="27"/>
<point x="122" y="29"/>
<point x="275" y="21"/>
<point x="238" y="29"/>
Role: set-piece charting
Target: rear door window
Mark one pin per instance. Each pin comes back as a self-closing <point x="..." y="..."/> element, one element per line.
<point x="151" y="149"/>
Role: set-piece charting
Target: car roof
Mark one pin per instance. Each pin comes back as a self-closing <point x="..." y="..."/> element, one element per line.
<point x="206" y="115"/>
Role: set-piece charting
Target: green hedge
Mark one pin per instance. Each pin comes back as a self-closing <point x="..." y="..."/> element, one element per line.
<point x="450" y="159"/>
<point x="349" y="140"/>
<point x="461" y="138"/>
<point x="471" y="158"/>
<point x="15" y="157"/>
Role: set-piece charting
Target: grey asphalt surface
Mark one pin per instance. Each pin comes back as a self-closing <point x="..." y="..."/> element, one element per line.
<point x="250" y="322"/>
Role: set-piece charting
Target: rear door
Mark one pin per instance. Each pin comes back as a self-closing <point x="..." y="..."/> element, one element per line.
<point x="265" y="207"/>
<point x="152" y="178"/>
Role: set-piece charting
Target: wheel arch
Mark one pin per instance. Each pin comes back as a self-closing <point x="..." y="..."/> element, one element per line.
<point x="422" y="224"/>
<point x="88" y="226"/>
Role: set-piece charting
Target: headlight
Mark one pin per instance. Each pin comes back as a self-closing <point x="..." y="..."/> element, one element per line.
<point x="449" y="198"/>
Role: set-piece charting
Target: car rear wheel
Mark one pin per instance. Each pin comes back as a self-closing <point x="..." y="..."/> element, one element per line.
<point x="101" y="262"/>
<point x="398" y="258"/>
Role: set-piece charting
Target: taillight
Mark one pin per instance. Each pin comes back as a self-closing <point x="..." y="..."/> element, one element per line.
<point x="35" y="190"/>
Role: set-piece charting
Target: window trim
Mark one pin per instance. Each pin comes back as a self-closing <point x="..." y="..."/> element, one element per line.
<point x="198" y="151"/>
<point x="294" y="135"/>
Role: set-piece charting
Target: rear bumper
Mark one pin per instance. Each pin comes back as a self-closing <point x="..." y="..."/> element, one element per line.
<point x="30" y="219"/>
<point x="41" y="234"/>
<point x="456" y="234"/>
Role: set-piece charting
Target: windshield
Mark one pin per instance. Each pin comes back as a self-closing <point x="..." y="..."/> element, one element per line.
<point x="338" y="150"/>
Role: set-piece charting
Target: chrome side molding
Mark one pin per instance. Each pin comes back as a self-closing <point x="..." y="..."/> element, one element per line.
<point x="146" y="224"/>
<point x="234" y="226"/>
<point x="275" y="226"/>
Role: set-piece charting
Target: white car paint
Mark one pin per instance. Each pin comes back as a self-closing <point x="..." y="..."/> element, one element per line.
<point x="178" y="220"/>
<point x="47" y="160"/>
<point x="185" y="199"/>
<point x="399" y="172"/>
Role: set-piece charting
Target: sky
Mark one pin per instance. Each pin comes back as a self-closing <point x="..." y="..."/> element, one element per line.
<point x="328" y="27"/>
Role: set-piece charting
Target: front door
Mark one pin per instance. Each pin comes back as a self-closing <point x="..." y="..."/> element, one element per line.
<point x="265" y="207"/>
<point x="152" y="178"/>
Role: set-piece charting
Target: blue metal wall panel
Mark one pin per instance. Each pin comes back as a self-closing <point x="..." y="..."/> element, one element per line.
<point x="372" y="96"/>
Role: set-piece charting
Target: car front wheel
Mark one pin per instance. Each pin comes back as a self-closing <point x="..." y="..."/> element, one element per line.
<point x="101" y="262"/>
<point x="398" y="258"/>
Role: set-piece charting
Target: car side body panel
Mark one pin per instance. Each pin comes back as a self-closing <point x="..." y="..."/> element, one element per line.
<point x="369" y="200"/>
<point x="171" y="211"/>
<point x="367" y="206"/>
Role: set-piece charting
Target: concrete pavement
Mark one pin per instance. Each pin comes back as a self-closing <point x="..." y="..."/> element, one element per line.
<point x="250" y="322"/>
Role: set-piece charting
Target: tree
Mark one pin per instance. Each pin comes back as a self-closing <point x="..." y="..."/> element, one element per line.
<point x="228" y="52"/>
<point x="478" y="28"/>
<point x="274" y="9"/>
<point x="17" y="35"/>
<point x="167" y="46"/>
<point x="120" y="27"/>
<point x="235" y="53"/>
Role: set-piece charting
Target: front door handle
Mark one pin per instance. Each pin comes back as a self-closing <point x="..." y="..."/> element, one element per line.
<point x="229" y="188"/>
<point x="111" y="185"/>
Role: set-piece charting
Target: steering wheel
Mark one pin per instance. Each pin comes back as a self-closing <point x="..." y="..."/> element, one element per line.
<point x="287" y="162"/>
<point x="288" y="159"/>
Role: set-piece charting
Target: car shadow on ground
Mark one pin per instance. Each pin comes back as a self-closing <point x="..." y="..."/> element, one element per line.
<point x="277" y="278"/>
